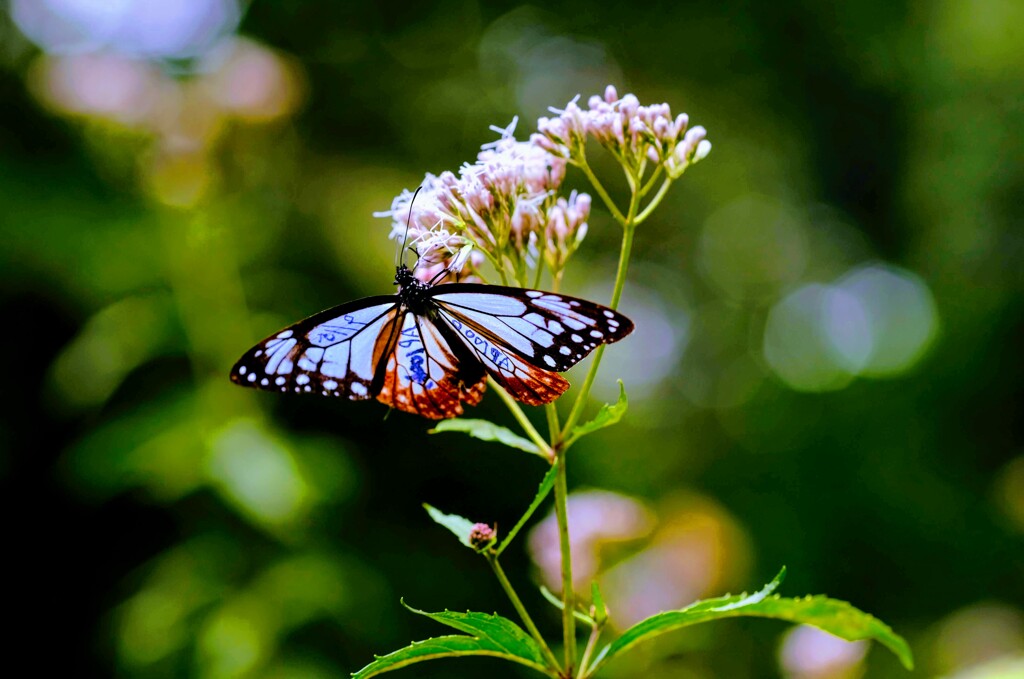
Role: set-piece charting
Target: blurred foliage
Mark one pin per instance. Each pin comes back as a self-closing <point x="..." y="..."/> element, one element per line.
<point x="854" y="420"/>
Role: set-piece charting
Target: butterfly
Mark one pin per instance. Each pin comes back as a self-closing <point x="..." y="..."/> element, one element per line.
<point x="429" y="348"/>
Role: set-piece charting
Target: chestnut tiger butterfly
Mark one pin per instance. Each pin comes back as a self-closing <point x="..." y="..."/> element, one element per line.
<point x="429" y="348"/>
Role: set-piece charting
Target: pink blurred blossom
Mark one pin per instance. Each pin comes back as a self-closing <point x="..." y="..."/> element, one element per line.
<point x="596" y="518"/>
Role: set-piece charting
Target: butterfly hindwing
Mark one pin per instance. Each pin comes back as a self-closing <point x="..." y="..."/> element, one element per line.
<point x="550" y="331"/>
<point x="334" y="353"/>
<point x="425" y="375"/>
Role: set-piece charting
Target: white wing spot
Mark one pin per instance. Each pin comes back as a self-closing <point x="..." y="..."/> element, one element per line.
<point x="302" y="379"/>
<point x="285" y="335"/>
<point x="307" y="388"/>
<point x="279" y="381"/>
<point x="241" y="370"/>
<point x="565" y="351"/>
<point x="258" y="353"/>
<point x="264" y="381"/>
<point x="358" y="388"/>
<point x="330" y="385"/>
<point x="575" y="338"/>
<point x="596" y="333"/>
<point x="550" y="361"/>
<point x="252" y="377"/>
<point x="608" y="313"/>
<point x="574" y="303"/>
<point x="534" y="293"/>
<point x="613" y="324"/>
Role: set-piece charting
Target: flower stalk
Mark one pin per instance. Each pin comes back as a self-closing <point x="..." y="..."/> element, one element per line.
<point x="505" y="210"/>
<point x="517" y="603"/>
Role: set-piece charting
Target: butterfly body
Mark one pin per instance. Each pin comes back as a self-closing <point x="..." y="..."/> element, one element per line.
<point x="429" y="348"/>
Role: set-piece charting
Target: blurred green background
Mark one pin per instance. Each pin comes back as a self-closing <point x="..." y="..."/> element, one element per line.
<point x="826" y="372"/>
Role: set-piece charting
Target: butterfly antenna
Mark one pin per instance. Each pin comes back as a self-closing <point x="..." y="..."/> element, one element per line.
<point x="408" y="221"/>
<point x="439" y="275"/>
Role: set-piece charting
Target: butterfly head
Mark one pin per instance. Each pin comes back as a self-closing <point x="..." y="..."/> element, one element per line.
<point x="411" y="290"/>
<point x="404" y="277"/>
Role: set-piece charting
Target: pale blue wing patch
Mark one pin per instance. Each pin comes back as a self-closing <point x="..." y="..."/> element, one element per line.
<point x="334" y="353"/>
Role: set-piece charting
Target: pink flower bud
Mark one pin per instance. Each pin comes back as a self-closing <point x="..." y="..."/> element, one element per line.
<point x="481" y="536"/>
<point x="544" y="142"/>
<point x="652" y="154"/>
<point x="617" y="130"/>
<point x="556" y="224"/>
<point x="628" y="105"/>
<point x="693" y="137"/>
<point x="610" y="94"/>
<point x="661" y="128"/>
<point x="682" y="120"/>
<point x="582" y="202"/>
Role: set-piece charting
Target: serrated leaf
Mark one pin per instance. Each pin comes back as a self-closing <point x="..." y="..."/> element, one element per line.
<point x="606" y="416"/>
<point x="831" y="615"/>
<point x="489" y="635"/>
<point x="487" y="431"/>
<point x="461" y="526"/>
<point x="546" y="484"/>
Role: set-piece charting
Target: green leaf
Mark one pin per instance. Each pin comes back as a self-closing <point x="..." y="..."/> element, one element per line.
<point x="489" y="635"/>
<point x="546" y="484"/>
<point x="606" y="417"/>
<point x="462" y="527"/>
<point x="837" y="617"/>
<point x="487" y="431"/>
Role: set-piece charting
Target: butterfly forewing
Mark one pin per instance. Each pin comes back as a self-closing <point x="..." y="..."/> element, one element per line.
<point x="552" y="332"/>
<point x="334" y="353"/>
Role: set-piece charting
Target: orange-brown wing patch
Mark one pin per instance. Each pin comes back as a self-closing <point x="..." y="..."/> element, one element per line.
<point x="424" y="376"/>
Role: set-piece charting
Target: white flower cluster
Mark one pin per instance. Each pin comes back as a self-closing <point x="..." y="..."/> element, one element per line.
<point x="504" y="208"/>
<point x="635" y="134"/>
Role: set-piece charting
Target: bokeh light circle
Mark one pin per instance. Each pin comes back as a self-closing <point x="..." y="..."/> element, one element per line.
<point x="876" y="321"/>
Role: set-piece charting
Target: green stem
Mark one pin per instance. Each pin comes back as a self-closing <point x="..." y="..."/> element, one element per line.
<point x="496" y="263"/>
<point x="568" y="595"/>
<point x="554" y="428"/>
<point x="534" y="632"/>
<point x="650" y="181"/>
<point x="540" y="270"/>
<point x="523" y="420"/>
<point x="599" y="188"/>
<point x="620" y="281"/>
<point x="595" y="634"/>
<point x="662" y="190"/>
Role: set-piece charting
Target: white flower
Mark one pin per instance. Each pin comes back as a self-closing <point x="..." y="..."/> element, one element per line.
<point x="633" y="132"/>
<point x="499" y="204"/>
